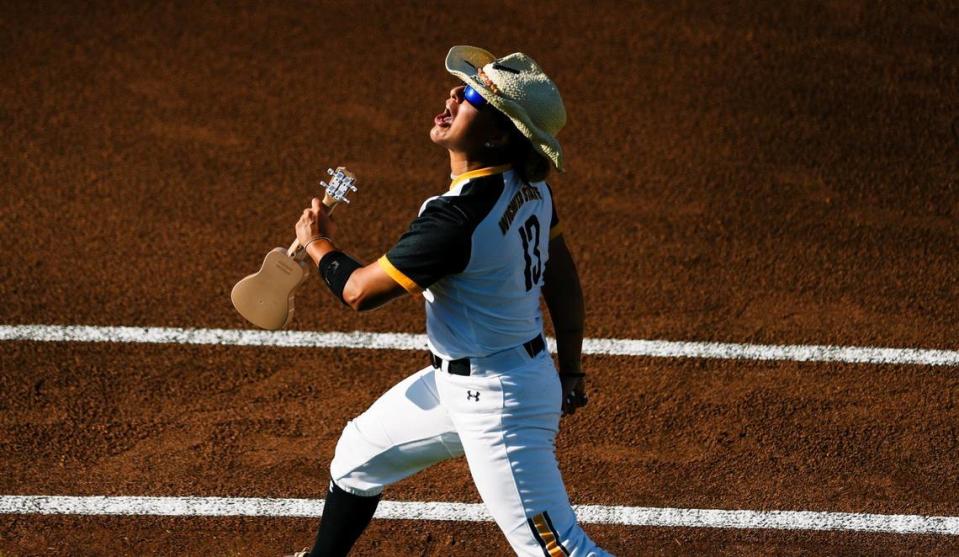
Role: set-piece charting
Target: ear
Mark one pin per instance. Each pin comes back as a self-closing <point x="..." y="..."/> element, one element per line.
<point x="498" y="141"/>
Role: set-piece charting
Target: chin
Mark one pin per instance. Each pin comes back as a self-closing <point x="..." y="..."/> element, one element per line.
<point x="437" y="135"/>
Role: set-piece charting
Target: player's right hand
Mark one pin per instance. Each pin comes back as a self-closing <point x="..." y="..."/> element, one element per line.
<point x="314" y="221"/>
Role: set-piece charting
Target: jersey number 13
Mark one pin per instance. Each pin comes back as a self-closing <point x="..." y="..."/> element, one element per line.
<point x="529" y="232"/>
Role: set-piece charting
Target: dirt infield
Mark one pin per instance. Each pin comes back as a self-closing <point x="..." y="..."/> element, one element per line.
<point x="744" y="172"/>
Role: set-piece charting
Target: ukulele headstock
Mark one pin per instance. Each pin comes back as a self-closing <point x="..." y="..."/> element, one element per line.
<point x="342" y="182"/>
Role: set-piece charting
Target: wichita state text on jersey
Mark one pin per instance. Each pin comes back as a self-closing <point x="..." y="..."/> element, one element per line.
<point x="525" y="193"/>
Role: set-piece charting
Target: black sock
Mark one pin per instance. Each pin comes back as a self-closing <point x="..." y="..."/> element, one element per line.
<point x="345" y="516"/>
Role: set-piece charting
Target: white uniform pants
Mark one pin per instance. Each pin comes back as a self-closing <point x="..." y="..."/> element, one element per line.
<point x="504" y="420"/>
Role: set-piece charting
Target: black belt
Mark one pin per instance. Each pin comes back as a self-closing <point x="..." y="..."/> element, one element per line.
<point x="462" y="366"/>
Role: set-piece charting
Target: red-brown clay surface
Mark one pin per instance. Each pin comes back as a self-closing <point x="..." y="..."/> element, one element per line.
<point x="751" y="172"/>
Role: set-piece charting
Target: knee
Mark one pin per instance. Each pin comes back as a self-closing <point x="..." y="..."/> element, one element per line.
<point x="348" y="468"/>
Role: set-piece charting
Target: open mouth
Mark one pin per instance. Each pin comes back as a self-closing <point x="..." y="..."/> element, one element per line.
<point x="444" y="119"/>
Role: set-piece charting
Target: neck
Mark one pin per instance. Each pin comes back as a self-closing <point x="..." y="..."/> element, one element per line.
<point x="461" y="163"/>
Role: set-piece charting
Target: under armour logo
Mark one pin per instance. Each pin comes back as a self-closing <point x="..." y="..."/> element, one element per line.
<point x="470" y="395"/>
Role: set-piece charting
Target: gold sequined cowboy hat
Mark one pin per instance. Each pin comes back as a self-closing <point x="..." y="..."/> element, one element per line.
<point x="516" y="86"/>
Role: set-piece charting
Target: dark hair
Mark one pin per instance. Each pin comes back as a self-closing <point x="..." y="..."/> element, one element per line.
<point x="519" y="151"/>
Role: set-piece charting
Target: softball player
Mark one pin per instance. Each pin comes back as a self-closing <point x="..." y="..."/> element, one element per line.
<point x="481" y="255"/>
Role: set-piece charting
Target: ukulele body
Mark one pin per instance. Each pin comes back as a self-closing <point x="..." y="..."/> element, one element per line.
<point x="265" y="298"/>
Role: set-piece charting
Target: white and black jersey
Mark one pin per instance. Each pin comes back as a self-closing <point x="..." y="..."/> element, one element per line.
<point x="478" y="253"/>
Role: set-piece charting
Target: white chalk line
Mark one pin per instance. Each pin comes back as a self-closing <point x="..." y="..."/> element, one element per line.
<point x="406" y="341"/>
<point x="475" y="512"/>
<point x="633" y="516"/>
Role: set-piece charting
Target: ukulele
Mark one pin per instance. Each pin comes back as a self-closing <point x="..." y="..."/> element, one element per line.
<point x="266" y="297"/>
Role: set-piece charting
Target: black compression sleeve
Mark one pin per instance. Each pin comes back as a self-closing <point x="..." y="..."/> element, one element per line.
<point x="335" y="269"/>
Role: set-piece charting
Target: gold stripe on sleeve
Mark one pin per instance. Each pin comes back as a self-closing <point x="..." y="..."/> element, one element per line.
<point x="397" y="275"/>
<point x="555" y="231"/>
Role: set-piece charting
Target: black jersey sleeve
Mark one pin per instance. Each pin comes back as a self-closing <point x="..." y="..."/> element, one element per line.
<point x="437" y="244"/>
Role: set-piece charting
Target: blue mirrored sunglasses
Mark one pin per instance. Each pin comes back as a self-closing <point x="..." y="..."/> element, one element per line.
<point x="474" y="98"/>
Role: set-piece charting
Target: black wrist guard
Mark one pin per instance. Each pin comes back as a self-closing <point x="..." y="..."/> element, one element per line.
<point x="335" y="269"/>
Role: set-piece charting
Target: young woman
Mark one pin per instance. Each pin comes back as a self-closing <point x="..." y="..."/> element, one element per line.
<point x="481" y="255"/>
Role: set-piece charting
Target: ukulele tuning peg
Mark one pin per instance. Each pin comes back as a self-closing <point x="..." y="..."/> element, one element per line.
<point x="329" y="171"/>
<point x="324" y="184"/>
